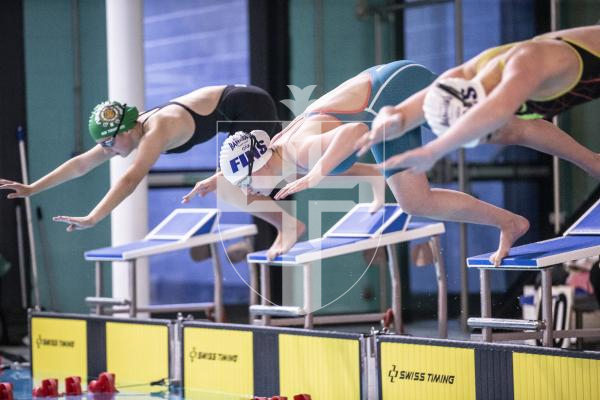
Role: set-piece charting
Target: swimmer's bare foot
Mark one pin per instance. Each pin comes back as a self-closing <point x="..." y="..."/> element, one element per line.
<point x="286" y="239"/>
<point x="375" y="206"/>
<point x="378" y="186"/>
<point x="513" y="230"/>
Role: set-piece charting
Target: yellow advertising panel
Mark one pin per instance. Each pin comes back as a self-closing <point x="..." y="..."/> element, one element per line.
<point x="412" y="371"/>
<point x="138" y="354"/>
<point x="218" y="363"/>
<point x="551" y="377"/>
<point x="59" y="349"/>
<point x="325" y="368"/>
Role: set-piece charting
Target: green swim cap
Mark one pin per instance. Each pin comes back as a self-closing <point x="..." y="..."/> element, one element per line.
<point x="106" y="116"/>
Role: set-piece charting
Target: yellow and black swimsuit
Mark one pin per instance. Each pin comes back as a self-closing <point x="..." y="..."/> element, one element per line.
<point x="585" y="88"/>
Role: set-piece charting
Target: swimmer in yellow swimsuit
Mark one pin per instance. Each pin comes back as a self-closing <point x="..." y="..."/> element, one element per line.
<point x="504" y="95"/>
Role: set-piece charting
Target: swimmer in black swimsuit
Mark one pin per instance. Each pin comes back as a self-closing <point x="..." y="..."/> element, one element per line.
<point x="174" y="127"/>
<point x="504" y="95"/>
<point x="240" y="108"/>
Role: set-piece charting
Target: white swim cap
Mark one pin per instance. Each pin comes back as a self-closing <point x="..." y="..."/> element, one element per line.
<point x="244" y="153"/>
<point x="447" y="100"/>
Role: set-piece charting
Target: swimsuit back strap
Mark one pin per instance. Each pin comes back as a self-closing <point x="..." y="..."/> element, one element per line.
<point x="182" y="106"/>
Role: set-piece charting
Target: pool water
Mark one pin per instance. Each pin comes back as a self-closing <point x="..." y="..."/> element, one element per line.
<point x="20" y="378"/>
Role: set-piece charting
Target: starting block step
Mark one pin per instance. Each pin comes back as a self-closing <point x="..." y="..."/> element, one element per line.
<point x="277" y="311"/>
<point x="508" y="324"/>
<point x="169" y="308"/>
<point x="106" y="301"/>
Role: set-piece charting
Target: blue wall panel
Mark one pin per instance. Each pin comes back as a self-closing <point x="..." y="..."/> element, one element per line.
<point x="188" y="45"/>
<point x="191" y="44"/>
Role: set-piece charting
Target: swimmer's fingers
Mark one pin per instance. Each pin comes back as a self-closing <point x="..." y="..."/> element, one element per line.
<point x="19" y="189"/>
<point x="75" y="223"/>
<point x="201" y="189"/>
<point x="364" y="143"/>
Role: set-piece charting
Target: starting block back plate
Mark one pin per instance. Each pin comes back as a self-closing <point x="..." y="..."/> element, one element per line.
<point x="184" y="223"/>
<point x="359" y="222"/>
<point x="588" y="224"/>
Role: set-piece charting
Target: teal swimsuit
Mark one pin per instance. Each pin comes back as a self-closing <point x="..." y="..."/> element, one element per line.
<point x="390" y="85"/>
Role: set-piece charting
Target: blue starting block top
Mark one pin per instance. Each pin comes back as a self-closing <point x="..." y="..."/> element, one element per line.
<point x="183" y="228"/>
<point x="301" y="248"/>
<point x="545" y="253"/>
<point x="358" y="230"/>
<point x="581" y="240"/>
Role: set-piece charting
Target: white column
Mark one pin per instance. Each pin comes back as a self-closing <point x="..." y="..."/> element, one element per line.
<point x="125" y="47"/>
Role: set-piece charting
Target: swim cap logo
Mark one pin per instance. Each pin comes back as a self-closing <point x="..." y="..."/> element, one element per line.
<point x="244" y="159"/>
<point x="108" y="115"/>
<point x="445" y="117"/>
<point x="469" y="97"/>
<point x="234" y="143"/>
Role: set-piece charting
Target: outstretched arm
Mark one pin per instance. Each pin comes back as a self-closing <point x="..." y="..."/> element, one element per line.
<point x="233" y="195"/>
<point x="519" y="80"/>
<point x="203" y="187"/>
<point x="148" y="152"/>
<point x="336" y="146"/>
<point x="71" y="169"/>
<point x="289" y="229"/>
<point x="394" y="121"/>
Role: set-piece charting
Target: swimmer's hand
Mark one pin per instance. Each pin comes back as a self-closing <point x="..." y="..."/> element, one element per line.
<point x="201" y="189"/>
<point x="416" y="161"/>
<point x="309" y="180"/>
<point x="386" y="126"/>
<point x="75" y="223"/>
<point x="19" y="190"/>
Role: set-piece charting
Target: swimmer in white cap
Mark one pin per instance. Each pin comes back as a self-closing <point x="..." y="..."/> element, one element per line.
<point x="320" y="143"/>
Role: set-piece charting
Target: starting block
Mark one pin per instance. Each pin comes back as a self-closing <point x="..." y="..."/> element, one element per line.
<point x="358" y="230"/>
<point x="182" y="229"/>
<point x="581" y="240"/>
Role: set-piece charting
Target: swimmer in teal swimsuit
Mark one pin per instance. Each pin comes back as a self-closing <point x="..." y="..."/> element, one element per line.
<point x="320" y="143"/>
